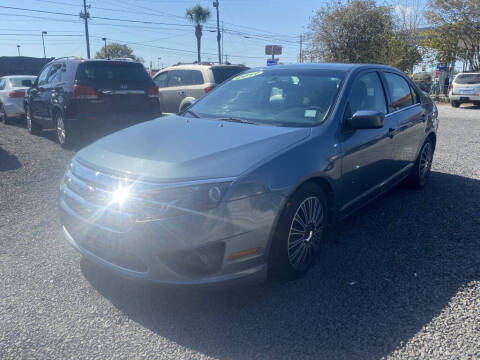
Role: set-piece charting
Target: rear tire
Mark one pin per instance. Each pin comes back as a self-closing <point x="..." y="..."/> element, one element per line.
<point x="63" y="130"/>
<point x="32" y="127"/>
<point x="3" y="116"/>
<point x="421" y="170"/>
<point x="300" y="233"/>
<point x="455" y="103"/>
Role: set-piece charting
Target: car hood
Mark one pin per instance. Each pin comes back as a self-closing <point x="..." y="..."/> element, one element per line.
<point x="177" y="148"/>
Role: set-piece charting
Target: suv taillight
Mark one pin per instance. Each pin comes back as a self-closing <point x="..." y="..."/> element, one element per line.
<point x="16" y="94"/>
<point x="209" y="88"/>
<point x="450" y="87"/>
<point x="84" y="92"/>
<point x="153" y="92"/>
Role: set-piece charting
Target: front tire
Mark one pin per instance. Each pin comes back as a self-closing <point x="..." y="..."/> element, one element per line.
<point x="421" y="170"/>
<point x="300" y="233"/>
<point x="455" y="103"/>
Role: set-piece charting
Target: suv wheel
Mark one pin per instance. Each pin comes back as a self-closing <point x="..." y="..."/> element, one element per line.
<point x="3" y="115"/>
<point x="32" y="127"/>
<point x="421" y="170"/>
<point x="455" y="103"/>
<point x="64" y="135"/>
<point x="300" y="233"/>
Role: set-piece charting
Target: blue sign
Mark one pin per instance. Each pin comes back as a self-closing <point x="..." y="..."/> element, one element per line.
<point x="271" y="62"/>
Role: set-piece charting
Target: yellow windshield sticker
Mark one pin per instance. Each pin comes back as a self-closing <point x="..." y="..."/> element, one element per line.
<point x="247" y="75"/>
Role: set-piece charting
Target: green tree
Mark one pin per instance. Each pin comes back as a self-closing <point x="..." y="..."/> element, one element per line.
<point x="198" y="16"/>
<point x="116" y="50"/>
<point x="455" y="33"/>
<point x="360" y="31"/>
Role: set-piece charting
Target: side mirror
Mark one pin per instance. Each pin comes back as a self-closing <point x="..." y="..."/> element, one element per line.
<point x="366" y="119"/>
<point x="27" y="83"/>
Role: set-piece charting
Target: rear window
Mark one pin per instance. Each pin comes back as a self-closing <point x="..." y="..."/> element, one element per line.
<point x="220" y="74"/>
<point x="112" y="71"/>
<point x="468" y="79"/>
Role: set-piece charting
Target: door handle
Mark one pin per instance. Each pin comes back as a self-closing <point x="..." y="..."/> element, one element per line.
<point x="181" y="93"/>
<point x="391" y="132"/>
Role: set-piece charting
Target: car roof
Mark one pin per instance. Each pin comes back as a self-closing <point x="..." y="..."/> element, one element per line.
<point x="329" y="66"/>
<point x="201" y="66"/>
<point x="16" y="76"/>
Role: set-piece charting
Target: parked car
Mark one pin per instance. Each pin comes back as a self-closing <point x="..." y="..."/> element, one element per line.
<point x="181" y="85"/>
<point x="246" y="181"/>
<point x="76" y="96"/>
<point x="465" y="88"/>
<point x="12" y="92"/>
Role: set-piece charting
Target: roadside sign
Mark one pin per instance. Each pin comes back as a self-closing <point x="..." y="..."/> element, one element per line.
<point x="271" y="62"/>
<point x="273" y="50"/>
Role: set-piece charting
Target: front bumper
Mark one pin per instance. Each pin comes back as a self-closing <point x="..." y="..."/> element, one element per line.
<point x="195" y="248"/>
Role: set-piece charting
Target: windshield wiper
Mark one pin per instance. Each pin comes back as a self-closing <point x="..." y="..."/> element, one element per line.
<point x="194" y="114"/>
<point x="237" y="120"/>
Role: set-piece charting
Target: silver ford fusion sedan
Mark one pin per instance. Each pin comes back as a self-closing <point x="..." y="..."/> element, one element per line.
<point x="244" y="182"/>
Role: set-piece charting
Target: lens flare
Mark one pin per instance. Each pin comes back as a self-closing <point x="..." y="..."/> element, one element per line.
<point x="120" y="195"/>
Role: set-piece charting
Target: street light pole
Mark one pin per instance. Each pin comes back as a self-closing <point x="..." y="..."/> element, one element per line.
<point x="18" y="48"/>
<point x="159" y="68"/>
<point x="43" y="42"/>
<point x="219" y="37"/>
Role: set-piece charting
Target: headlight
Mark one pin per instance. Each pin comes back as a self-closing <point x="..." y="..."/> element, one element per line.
<point x="180" y="200"/>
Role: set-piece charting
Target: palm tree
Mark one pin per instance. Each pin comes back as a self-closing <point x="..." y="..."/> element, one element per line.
<point x="198" y="15"/>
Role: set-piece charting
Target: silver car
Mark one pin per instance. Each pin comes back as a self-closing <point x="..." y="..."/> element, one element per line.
<point x="465" y="88"/>
<point x="246" y="181"/>
<point x="180" y="85"/>
<point x="12" y="93"/>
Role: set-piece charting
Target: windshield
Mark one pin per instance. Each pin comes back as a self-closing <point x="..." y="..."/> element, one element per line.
<point x="17" y="82"/>
<point x="468" y="79"/>
<point x="280" y="97"/>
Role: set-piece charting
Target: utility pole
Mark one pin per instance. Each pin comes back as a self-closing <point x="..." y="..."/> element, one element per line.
<point x="43" y="42"/>
<point x="106" y="50"/>
<point x="18" y="48"/>
<point x="216" y="5"/>
<point x="85" y="15"/>
<point x="223" y="36"/>
<point x="301" y="54"/>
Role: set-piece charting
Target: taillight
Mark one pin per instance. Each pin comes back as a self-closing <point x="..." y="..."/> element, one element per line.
<point x="153" y="92"/>
<point x="450" y="87"/>
<point x="208" y="89"/>
<point x="84" y="92"/>
<point x="17" y="94"/>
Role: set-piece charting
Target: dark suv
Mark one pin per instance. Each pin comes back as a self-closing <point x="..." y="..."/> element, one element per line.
<point x="75" y="96"/>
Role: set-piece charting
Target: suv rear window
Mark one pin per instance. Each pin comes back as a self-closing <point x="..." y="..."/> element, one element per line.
<point x="112" y="71"/>
<point x="468" y="79"/>
<point x="222" y="73"/>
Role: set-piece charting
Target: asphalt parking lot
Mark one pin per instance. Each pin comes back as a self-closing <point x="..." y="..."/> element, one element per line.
<point x="399" y="280"/>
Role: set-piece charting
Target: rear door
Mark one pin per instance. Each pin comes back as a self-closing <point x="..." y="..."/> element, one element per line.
<point x="176" y="91"/>
<point x="161" y="81"/>
<point x="123" y="89"/>
<point x="407" y="115"/>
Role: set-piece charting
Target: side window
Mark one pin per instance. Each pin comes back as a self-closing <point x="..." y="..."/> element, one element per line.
<point x="42" y="78"/>
<point x="415" y="96"/>
<point x="185" y="77"/>
<point x="2" y="84"/>
<point x="367" y="94"/>
<point x="55" y="75"/>
<point x="161" y="79"/>
<point x="400" y="94"/>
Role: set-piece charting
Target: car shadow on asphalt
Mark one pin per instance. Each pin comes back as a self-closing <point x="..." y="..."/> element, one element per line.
<point x="8" y="161"/>
<point x="389" y="270"/>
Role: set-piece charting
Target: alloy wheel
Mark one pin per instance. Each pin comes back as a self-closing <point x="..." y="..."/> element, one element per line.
<point x="425" y="161"/>
<point x="61" y="134"/>
<point x="305" y="232"/>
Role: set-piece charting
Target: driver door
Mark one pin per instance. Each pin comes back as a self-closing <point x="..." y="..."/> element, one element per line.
<point x="368" y="154"/>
